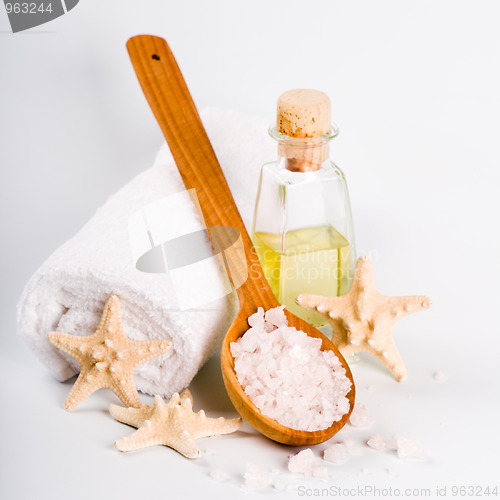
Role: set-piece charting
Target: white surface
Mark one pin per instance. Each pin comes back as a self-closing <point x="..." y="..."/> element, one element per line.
<point x="414" y="87"/>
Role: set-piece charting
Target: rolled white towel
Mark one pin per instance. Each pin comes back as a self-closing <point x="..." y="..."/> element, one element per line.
<point x="67" y="293"/>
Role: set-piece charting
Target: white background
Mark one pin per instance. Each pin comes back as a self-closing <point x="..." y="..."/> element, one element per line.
<point x="415" y="90"/>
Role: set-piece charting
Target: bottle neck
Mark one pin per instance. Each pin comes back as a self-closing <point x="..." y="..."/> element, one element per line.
<point x="303" y="154"/>
<point x="299" y="159"/>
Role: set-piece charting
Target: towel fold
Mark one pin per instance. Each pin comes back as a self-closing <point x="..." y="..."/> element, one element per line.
<point x="67" y="293"/>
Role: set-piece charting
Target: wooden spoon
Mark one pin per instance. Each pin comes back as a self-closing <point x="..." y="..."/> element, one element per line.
<point x="174" y="109"/>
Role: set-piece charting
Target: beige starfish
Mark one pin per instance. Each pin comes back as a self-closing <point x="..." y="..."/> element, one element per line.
<point x="107" y="358"/>
<point x="172" y="424"/>
<point x="362" y="319"/>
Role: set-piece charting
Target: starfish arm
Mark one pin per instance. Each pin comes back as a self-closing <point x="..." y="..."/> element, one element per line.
<point x="402" y="306"/>
<point x="123" y="386"/>
<point x="131" y="416"/>
<point x="74" y="345"/>
<point x="85" y="385"/>
<point x="330" y="307"/>
<point x="111" y="319"/>
<point x="391" y="358"/>
<point x="146" y="349"/>
<point x="200" y="425"/>
<point x="363" y="273"/>
<point x="145" y="436"/>
<point x="181" y="440"/>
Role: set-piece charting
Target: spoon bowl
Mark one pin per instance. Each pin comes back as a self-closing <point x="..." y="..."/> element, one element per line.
<point x="170" y="100"/>
<point x="245" y="407"/>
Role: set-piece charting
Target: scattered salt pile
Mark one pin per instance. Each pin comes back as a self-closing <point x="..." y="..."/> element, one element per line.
<point x="255" y="477"/>
<point x="360" y="417"/>
<point x="287" y="376"/>
<point x="306" y="463"/>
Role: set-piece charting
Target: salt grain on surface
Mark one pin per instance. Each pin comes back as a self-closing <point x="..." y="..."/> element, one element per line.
<point x="255" y="477"/>
<point x="376" y="441"/>
<point x="302" y="463"/>
<point x="287" y="376"/>
<point x="337" y="454"/>
<point x="410" y="448"/>
<point x="360" y="417"/>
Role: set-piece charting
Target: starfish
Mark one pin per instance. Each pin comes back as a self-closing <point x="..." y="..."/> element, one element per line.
<point x="172" y="424"/>
<point x="107" y="358"/>
<point x="362" y="319"/>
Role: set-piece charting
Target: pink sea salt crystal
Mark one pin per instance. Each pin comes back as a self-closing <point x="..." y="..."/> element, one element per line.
<point x="360" y="417"/>
<point x="351" y="446"/>
<point x="410" y="448"/>
<point x="306" y="463"/>
<point x="302" y="463"/>
<point x="336" y="453"/>
<point x="287" y="376"/>
<point x="257" y="319"/>
<point x="255" y="477"/>
<point x="376" y="441"/>
<point x="276" y="317"/>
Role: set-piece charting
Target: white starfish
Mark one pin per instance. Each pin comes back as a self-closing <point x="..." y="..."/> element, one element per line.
<point x="107" y="358"/>
<point x="172" y="424"/>
<point x="362" y="319"/>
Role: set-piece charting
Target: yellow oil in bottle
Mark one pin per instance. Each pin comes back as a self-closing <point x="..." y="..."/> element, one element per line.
<point x="313" y="260"/>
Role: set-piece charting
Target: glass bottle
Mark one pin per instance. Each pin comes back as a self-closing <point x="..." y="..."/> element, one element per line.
<point x="302" y="228"/>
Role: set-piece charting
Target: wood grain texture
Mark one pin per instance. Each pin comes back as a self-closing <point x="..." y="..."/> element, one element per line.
<point x="174" y="109"/>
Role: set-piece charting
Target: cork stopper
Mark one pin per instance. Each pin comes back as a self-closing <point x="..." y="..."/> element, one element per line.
<point x="303" y="114"/>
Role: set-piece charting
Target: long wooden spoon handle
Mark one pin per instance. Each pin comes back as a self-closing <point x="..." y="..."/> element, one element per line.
<point x="174" y="109"/>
